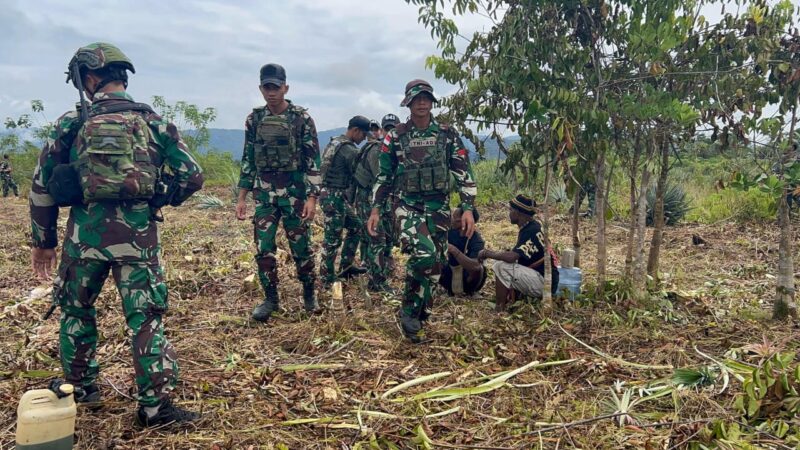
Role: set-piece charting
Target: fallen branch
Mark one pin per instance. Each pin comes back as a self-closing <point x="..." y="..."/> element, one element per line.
<point x="619" y="361"/>
<point x="562" y="426"/>
<point x="298" y="367"/>
<point x="414" y="382"/>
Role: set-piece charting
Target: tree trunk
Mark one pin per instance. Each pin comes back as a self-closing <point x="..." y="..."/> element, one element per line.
<point x="631" y="237"/>
<point x="785" y="305"/>
<point x="600" y="214"/>
<point x="639" y="282"/>
<point x="547" y="294"/>
<point x="576" y="239"/>
<point x="658" y="212"/>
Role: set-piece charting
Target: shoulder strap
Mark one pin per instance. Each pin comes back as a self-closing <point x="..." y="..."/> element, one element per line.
<point x="403" y="128"/>
<point x="120" y="107"/>
<point x="258" y="115"/>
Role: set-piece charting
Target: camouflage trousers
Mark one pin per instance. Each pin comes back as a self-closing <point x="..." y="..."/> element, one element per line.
<point x="340" y="216"/>
<point x="265" y="220"/>
<point x="144" y="300"/>
<point x="8" y="183"/>
<point x="376" y="250"/>
<point x="422" y="227"/>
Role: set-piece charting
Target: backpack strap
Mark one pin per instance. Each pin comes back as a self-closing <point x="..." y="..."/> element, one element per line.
<point x="99" y="110"/>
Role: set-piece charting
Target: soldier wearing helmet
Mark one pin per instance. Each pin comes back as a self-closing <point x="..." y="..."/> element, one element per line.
<point x="106" y="163"/>
<point x="417" y="160"/>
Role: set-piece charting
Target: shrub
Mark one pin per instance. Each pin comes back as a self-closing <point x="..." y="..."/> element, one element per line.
<point x="731" y="204"/>
<point x="493" y="184"/>
<point x="676" y="205"/>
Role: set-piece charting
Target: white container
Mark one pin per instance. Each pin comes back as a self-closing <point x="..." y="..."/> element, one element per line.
<point x="567" y="258"/>
<point x="45" y="421"/>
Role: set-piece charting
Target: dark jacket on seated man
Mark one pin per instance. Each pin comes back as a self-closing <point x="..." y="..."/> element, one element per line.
<point x="463" y="274"/>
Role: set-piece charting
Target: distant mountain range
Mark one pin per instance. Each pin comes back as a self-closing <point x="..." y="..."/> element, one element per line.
<point x="227" y="140"/>
<point x="232" y="141"/>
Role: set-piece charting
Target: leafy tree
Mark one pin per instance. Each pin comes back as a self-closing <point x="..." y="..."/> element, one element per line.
<point x="191" y="120"/>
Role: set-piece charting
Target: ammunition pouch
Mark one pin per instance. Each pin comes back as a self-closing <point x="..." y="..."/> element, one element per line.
<point x="64" y="186"/>
<point x="166" y="188"/>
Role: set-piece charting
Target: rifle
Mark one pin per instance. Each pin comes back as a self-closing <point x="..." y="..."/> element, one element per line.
<point x="76" y="76"/>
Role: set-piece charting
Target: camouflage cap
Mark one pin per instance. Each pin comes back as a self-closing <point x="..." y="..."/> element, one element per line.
<point x="96" y="56"/>
<point x="389" y="120"/>
<point x="416" y="87"/>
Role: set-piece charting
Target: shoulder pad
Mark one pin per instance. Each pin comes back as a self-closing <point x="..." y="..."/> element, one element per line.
<point x="298" y="109"/>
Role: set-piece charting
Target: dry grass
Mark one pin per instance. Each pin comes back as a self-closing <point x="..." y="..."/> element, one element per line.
<point x="232" y="369"/>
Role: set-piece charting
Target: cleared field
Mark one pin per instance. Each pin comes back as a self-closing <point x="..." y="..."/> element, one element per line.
<point x="326" y="381"/>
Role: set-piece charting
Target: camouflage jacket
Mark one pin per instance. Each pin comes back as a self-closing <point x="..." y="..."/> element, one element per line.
<point x="5" y="167"/>
<point x="107" y="230"/>
<point x="300" y="183"/>
<point x="392" y="162"/>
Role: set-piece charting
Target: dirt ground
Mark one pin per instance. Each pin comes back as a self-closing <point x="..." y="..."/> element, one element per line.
<point x="715" y="297"/>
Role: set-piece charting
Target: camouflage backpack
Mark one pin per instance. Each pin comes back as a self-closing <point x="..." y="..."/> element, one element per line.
<point x="275" y="146"/>
<point x="114" y="161"/>
<point x="363" y="174"/>
<point x="426" y="164"/>
<point x="330" y="179"/>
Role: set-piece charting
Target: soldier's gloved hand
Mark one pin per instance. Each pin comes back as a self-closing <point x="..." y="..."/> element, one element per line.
<point x="42" y="261"/>
<point x="467" y="223"/>
<point x="372" y="222"/>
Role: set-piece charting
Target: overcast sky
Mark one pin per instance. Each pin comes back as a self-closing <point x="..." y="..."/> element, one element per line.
<point x="342" y="57"/>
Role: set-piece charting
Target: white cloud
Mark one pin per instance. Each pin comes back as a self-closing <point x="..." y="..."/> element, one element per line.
<point x="343" y="57"/>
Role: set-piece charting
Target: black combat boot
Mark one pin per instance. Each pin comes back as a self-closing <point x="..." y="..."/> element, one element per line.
<point x="412" y="327"/>
<point x="264" y="311"/>
<point x="166" y="414"/>
<point x="352" y="271"/>
<point x="309" y="297"/>
<point x="87" y="394"/>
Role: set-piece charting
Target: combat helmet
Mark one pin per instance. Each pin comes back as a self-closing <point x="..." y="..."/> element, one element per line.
<point x="97" y="56"/>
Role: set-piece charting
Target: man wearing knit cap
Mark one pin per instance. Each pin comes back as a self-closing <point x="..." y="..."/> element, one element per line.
<point x="417" y="160"/>
<point x="520" y="271"/>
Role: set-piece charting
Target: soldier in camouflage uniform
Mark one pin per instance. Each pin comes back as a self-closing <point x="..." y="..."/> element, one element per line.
<point x="113" y="157"/>
<point x="379" y="248"/>
<point x="338" y="161"/>
<point x="280" y="164"/>
<point x="418" y="158"/>
<point x="5" y="175"/>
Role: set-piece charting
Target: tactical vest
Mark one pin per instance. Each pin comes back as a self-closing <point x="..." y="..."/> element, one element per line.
<point x="275" y="145"/>
<point x="364" y="176"/>
<point x="431" y="174"/>
<point x="336" y="179"/>
<point x="113" y="158"/>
